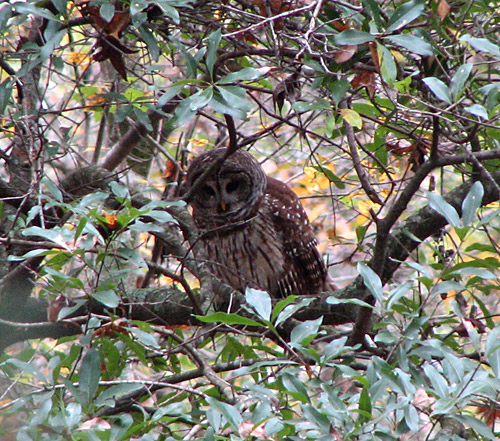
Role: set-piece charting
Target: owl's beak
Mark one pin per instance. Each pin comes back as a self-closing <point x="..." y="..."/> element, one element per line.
<point x="223" y="205"/>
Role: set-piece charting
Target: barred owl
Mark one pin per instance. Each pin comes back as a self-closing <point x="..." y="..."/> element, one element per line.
<point x="254" y="230"/>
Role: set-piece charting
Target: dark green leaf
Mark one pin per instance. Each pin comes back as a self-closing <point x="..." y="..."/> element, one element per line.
<point x="213" y="44"/>
<point x="414" y="44"/>
<point x="405" y="14"/>
<point x="459" y="79"/>
<point x="90" y="373"/>
<point x="352" y="37"/>
<point x="228" y="319"/>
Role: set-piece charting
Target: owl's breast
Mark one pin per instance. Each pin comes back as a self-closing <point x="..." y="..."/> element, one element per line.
<point x="248" y="255"/>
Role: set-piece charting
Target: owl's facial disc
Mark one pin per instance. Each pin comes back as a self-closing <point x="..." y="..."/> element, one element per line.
<point x="235" y="192"/>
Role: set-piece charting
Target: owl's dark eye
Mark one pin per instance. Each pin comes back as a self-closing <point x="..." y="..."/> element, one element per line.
<point x="232" y="186"/>
<point x="207" y="191"/>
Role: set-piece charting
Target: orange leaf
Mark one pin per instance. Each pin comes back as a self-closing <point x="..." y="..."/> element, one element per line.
<point x="443" y="9"/>
<point x="111" y="221"/>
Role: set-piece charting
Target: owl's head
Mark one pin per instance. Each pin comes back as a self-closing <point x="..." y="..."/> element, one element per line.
<point x="232" y="194"/>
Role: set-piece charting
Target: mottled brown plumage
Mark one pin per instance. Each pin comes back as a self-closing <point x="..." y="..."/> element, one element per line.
<point x="255" y="232"/>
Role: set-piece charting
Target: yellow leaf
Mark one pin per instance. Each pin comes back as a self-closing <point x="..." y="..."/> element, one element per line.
<point x="198" y="142"/>
<point x="352" y="117"/>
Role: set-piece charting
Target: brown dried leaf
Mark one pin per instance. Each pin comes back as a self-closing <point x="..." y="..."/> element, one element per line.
<point x="345" y="53"/>
<point x="443" y="9"/>
<point x="365" y="79"/>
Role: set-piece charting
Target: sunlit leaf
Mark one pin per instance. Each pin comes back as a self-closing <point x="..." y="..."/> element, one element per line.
<point x="352" y="117"/>
<point x="260" y="301"/>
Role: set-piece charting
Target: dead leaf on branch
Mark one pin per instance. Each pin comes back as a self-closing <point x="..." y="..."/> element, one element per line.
<point x="109" y="36"/>
<point x="365" y="79"/>
<point x="417" y="150"/>
<point x="288" y="89"/>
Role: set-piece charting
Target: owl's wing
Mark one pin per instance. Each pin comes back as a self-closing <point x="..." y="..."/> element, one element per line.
<point x="305" y="271"/>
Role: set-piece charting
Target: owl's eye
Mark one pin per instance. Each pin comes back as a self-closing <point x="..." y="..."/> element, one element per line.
<point x="232" y="186"/>
<point x="207" y="191"/>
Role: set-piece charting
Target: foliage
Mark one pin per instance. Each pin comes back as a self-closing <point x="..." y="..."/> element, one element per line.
<point x="383" y="117"/>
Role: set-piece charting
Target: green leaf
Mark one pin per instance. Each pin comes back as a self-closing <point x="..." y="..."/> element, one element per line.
<point x="482" y="44"/>
<point x="472" y="202"/>
<point x="228" y="319"/>
<point x="338" y="90"/>
<point x="372" y="281"/>
<point x="405" y="14"/>
<point x="352" y="37"/>
<point x="439" y="204"/>
<point x="219" y="104"/>
<point x="314" y="416"/>
<point x="144" y="337"/>
<point x="304" y="332"/>
<point x="414" y="44"/>
<point x="213" y="44"/>
<point x="230" y="412"/>
<point x="477" y="110"/>
<point x="439" y="384"/>
<point x="332" y="177"/>
<point x="352" y="117"/>
<point x="246" y="74"/>
<point x="492" y="350"/>
<point x="235" y="96"/>
<point x="260" y="301"/>
<point x="438" y="88"/>
<point x="482" y="273"/>
<point x="339" y="301"/>
<point x="365" y="405"/>
<point x="119" y="190"/>
<point x="334" y="348"/>
<point x="290" y="310"/>
<point x="107" y="297"/>
<point x="5" y="94"/>
<point x="374" y="8"/>
<point x="388" y="67"/>
<point x="90" y="373"/>
<point x="282" y="304"/>
<point x="28" y="8"/>
<point x="201" y="98"/>
<point x="459" y="79"/>
<point x="116" y="392"/>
